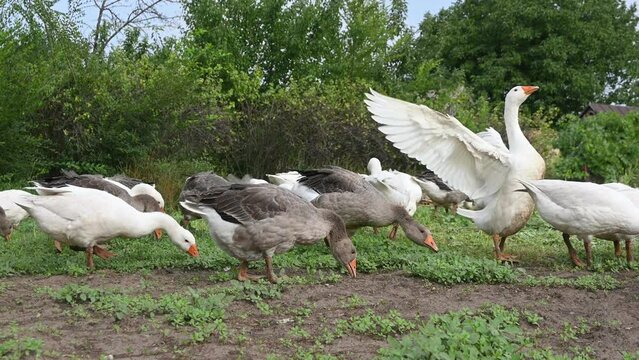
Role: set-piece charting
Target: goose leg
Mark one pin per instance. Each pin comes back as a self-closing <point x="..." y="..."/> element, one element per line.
<point x="90" y="264"/>
<point x="243" y="274"/>
<point x="628" y="251"/>
<point x="393" y="232"/>
<point x="453" y="209"/>
<point x="588" y="248"/>
<point x="502" y="243"/>
<point x="498" y="254"/>
<point x="617" y="248"/>
<point x="58" y="246"/>
<point x="375" y="230"/>
<point x="269" y="270"/>
<point x="571" y="251"/>
<point x="102" y="252"/>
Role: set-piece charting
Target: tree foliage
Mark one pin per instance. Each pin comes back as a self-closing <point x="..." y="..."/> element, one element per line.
<point x="256" y="86"/>
<point x="601" y="148"/>
<point x="577" y="51"/>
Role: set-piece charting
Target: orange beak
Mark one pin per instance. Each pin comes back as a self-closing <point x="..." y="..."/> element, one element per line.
<point x="8" y="237"/>
<point x="530" y="89"/>
<point x="157" y="233"/>
<point x="352" y="268"/>
<point x="430" y="243"/>
<point x="193" y="251"/>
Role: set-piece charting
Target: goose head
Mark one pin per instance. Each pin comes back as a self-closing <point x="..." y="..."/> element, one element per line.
<point x="416" y="232"/>
<point x="6" y="227"/>
<point x="519" y="94"/>
<point x="182" y="238"/>
<point x="374" y="166"/>
<point x="341" y="245"/>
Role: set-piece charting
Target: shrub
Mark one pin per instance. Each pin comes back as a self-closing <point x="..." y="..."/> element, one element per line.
<point x="601" y="148"/>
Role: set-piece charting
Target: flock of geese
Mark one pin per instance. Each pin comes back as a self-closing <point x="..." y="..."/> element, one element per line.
<point x="252" y="219"/>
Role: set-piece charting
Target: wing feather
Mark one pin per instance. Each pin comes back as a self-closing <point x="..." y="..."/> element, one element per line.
<point x="463" y="159"/>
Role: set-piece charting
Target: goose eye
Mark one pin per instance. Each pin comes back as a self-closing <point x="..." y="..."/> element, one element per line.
<point x="515" y="89"/>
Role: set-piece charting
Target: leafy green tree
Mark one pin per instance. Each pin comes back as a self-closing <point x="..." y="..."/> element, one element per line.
<point x="601" y="148"/>
<point x="282" y="40"/>
<point x="577" y="51"/>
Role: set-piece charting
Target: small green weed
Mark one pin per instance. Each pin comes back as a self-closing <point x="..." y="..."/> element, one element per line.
<point x="14" y="347"/>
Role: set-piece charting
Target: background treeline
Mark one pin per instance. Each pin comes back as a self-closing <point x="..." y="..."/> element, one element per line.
<point x="262" y="86"/>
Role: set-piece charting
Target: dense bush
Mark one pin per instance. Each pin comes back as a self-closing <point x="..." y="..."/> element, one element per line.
<point x="601" y="148"/>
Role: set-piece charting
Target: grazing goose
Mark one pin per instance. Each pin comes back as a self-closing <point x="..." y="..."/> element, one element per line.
<point x="288" y="181"/>
<point x="400" y="187"/>
<point x="439" y="193"/>
<point x="198" y="184"/>
<point x="246" y="179"/>
<point x="138" y="187"/>
<point x="85" y="217"/>
<point x="633" y="195"/>
<point x="13" y="213"/>
<point x="408" y="190"/>
<point x="479" y="165"/>
<point x="252" y="222"/>
<point x="360" y="204"/>
<point x="6" y="226"/>
<point x="143" y="203"/>
<point x="583" y="209"/>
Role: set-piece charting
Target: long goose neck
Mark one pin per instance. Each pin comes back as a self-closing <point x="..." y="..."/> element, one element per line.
<point x="145" y="223"/>
<point x="403" y="217"/>
<point x="516" y="139"/>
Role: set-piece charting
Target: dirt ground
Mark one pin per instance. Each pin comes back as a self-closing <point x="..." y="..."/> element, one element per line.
<point x="613" y="316"/>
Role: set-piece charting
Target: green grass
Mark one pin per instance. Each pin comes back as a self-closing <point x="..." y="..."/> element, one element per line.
<point x="466" y="254"/>
<point x="491" y="333"/>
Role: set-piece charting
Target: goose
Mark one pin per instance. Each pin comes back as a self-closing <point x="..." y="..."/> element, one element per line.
<point x="6" y="226"/>
<point x="143" y="203"/>
<point x="289" y="181"/>
<point x="252" y="222"/>
<point x="439" y="193"/>
<point x="479" y="165"/>
<point x="246" y="179"/>
<point x="400" y="187"/>
<point x="84" y="218"/>
<point x="408" y="190"/>
<point x="137" y="187"/>
<point x="360" y="204"/>
<point x="14" y="214"/>
<point x="583" y="209"/>
<point x="633" y="195"/>
<point x="197" y="184"/>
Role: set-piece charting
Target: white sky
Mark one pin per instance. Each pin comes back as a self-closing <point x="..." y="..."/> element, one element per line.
<point x="416" y="11"/>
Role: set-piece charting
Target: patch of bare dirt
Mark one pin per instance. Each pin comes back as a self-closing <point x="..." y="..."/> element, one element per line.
<point x="612" y="316"/>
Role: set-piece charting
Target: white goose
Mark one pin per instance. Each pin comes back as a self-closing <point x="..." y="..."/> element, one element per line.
<point x="288" y="180"/>
<point x="583" y="209"/>
<point x="84" y="218"/>
<point x="479" y="165"/>
<point x="13" y="213"/>
<point x="633" y="195"/>
<point x="137" y="187"/>
<point x="399" y="187"/>
<point x="408" y="190"/>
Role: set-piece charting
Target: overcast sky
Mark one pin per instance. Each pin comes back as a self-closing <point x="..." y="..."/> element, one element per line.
<point x="416" y="11"/>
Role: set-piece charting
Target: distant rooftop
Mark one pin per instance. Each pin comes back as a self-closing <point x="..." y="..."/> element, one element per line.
<point x="594" y="109"/>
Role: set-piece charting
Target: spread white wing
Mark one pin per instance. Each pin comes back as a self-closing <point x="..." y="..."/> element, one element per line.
<point x="460" y="157"/>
